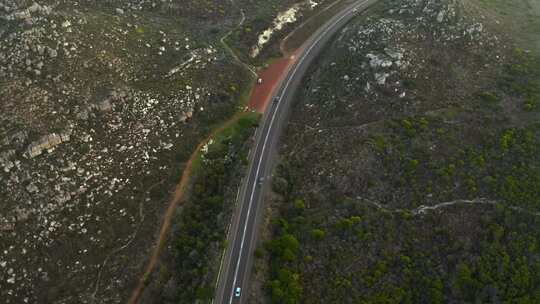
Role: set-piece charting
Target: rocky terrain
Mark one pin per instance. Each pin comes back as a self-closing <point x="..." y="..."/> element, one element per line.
<point x="263" y="28"/>
<point x="101" y="104"/>
<point x="95" y="105"/>
<point x="409" y="171"/>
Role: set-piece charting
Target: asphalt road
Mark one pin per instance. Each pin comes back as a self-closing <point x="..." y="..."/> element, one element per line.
<point x="236" y="264"/>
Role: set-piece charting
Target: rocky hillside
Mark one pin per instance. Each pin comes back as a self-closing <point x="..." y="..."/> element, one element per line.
<point x="410" y="168"/>
<point x="101" y="104"/>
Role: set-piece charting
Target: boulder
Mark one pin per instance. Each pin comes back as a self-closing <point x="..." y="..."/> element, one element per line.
<point x="22" y="15"/>
<point x="46" y="142"/>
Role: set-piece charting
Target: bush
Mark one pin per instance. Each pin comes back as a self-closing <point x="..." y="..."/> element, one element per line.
<point x="318" y="234"/>
<point x="299" y="204"/>
<point x="488" y="97"/>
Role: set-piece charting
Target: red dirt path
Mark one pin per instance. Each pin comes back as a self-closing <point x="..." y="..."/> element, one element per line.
<point x="271" y="76"/>
<point x="260" y="97"/>
<point x="177" y="199"/>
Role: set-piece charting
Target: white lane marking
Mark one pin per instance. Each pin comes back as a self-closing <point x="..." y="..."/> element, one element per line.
<point x="251" y="155"/>
<point x="227" y="232"/>
<point x="291" y="77"/>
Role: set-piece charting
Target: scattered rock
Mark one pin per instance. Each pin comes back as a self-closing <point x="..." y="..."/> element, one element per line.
<point x="52" y="52"/>
<point x="440" y="16"/>
<point x="32" y="188"/>
<point x="47" y="142"/>
<point x="381" y="78"/>
<point x="375" y="61"/>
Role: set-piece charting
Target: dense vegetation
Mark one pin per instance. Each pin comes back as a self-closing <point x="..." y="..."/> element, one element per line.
<point x="404" y="256"/>
<point x="478" y="254"/>
<point x="202" y="225"/>
<point x="429" y="199"/>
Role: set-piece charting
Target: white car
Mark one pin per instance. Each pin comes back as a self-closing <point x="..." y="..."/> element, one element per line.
<point x="237" y="292"/>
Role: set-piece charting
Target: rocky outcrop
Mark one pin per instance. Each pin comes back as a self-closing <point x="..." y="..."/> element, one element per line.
<point x="46" y="142"/>
<point x="5" y="160"/>
<point x="26" y="13"/>
<point x="105" y="105"/>
<point x="186" y="116"/>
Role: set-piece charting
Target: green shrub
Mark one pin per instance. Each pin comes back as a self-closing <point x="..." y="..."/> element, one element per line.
<point x="318" y="234"/>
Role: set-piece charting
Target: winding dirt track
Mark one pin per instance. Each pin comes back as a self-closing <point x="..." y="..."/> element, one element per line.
<point x="177" y="198"/>
<point x="259" y="99"/>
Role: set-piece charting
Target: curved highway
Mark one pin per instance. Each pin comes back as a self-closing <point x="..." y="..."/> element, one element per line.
<point x="236" y="264"/>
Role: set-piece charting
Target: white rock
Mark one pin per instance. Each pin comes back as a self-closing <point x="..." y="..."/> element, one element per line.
<point x="375" y="61"/>
<point x="440" y="16"/>
<point x="24" y="14"/>
<point x="393" y="54"/>
<point x="368" y="87"/>
<point x="381" y="78"/>
<point x="52" y="52"/>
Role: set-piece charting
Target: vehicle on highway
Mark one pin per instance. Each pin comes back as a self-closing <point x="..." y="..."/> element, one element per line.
<point x="237" y="292"/>
<point x="261" y="180"/>
<point x="276" y="99"/>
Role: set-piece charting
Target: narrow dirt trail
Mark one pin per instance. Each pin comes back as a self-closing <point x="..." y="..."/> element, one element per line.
<point x="260" y="96"/>
<point x="178" y="197"/>
<point x="182" y="186"/>
<point x="259" y="99"/>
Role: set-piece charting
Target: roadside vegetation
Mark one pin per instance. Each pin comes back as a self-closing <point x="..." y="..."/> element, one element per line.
<point x="192" y="257"/>
<point x="200" y="236"/>
<point x="199" y="231"/>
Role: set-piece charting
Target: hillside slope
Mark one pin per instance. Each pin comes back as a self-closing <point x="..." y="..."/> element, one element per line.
<point x="101" y="105"/>
<point x="410" y="170"/>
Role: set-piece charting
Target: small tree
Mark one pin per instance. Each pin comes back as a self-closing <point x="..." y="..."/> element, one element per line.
<point x="318" y="234"/>
<point x="299" y="204"/>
